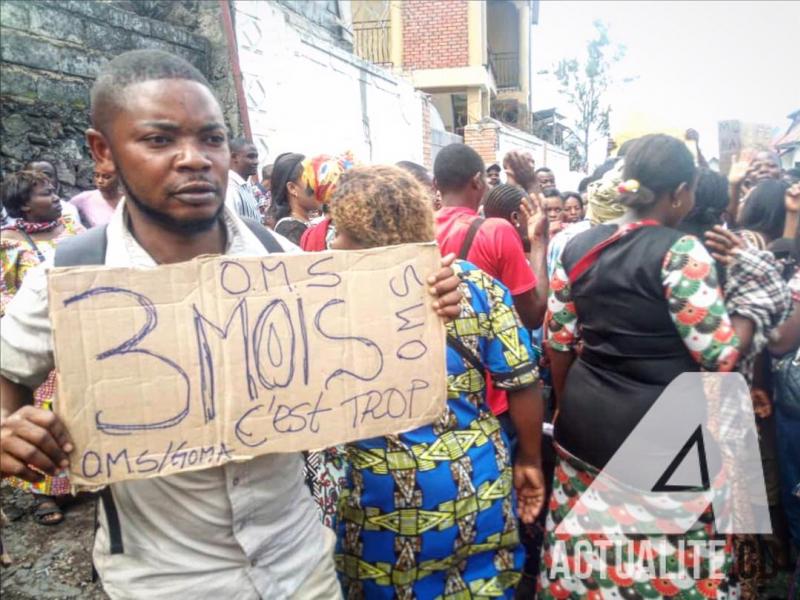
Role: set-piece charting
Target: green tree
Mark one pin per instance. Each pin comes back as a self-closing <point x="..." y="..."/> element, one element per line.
<point x="584" y="83"/>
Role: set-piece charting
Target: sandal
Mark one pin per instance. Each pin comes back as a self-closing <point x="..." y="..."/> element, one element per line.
<point x="46" y="510"/>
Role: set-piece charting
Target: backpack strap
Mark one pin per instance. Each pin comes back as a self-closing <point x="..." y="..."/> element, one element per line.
<point x="83" y="250"/>
<point x="89" y="248"/>
<point x="471" y="232"/>
<point x="112" y="518"/>
<point x="264" y="236"/>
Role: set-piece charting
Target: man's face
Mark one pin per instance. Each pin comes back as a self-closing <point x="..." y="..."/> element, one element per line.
<point x="245" y="161"/>
<point x="765" y="165"/>
<point x="493" y="177"/>
<point x="546" y="180"/>
<point x="167" y="143"/>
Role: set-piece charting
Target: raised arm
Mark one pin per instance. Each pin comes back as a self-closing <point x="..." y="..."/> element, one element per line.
<point x="695" y="300"/>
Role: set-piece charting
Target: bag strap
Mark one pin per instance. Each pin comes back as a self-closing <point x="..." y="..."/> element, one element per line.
<point x="591" y="257"/>
<point x="112" y="518"/>
<point x="467" y="354"/>
<point x="83" y="250"/>
<point x="264" y="236"/>
<point x="471" y="232"/>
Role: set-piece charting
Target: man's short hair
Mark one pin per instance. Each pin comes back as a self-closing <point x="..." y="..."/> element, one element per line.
<point x="551" y="193"/>
<point x="132" y="67"/>
<point x="237" y="144"/>
<point x="495" y="167"/>
<point x="455" y="165"/>
<point x="543" y="170"/>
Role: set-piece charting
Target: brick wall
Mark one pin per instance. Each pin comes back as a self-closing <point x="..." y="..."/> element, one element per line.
<point x="435" y="34"/>
<point x="484" y="139"/>
<point x="50" y="53"/>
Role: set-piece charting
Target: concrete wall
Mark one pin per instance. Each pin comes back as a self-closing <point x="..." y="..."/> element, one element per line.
<point x="435" y="34"/>
<point x="50" y="53"/>
<point x="307" y="95"/>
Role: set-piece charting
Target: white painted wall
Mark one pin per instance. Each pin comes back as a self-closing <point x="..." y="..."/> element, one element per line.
<point x="306" y="95"/>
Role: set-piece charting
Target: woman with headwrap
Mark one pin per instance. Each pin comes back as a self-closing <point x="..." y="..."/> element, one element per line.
<point x="321" y="175"/>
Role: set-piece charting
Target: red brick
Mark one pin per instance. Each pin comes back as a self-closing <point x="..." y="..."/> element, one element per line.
<point x="435" y="34"/>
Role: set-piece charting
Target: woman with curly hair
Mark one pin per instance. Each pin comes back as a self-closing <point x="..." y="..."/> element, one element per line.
<point x="431" y="512"/>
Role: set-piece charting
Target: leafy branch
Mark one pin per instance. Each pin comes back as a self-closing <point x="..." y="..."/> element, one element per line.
<point x="584" y="85"/>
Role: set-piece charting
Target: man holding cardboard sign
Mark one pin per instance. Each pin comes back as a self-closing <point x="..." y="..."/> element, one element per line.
<point x="243" y="529"/>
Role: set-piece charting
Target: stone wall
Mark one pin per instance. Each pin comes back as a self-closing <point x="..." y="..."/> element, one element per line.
<point x="50" y="53"/>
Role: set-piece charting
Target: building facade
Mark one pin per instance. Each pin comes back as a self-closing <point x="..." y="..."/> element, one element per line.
<point x="471" y="57"/>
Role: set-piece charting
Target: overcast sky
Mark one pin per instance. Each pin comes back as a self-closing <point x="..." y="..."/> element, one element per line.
<point x="696" y="62"/>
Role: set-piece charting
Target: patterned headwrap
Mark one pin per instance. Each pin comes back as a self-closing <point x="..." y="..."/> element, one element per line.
<point x="321" y="173"/>
<point x="603" y="197"/>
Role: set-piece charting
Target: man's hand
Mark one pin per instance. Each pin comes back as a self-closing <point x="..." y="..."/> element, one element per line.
<point x="723" y="244"/>
<point x="792" y="198"/>
<point x="520" y="169"/>
<point x="444" y="285"/>
<point x="33" y="437"/>
<point x="529" y="484"/>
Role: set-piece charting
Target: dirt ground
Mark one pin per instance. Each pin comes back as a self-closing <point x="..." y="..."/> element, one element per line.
<point x="48" y="562"/>
<point x="55" y="562"/>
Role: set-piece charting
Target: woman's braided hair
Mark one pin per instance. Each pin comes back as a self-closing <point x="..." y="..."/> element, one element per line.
<point x="503" y="200"/>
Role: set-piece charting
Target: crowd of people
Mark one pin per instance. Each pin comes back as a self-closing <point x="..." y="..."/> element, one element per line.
<point x="567" y="315"/>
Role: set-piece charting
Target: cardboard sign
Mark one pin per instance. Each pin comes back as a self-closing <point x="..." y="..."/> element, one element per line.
<point x="741" y="141"/>
<point x="188" y="366"/>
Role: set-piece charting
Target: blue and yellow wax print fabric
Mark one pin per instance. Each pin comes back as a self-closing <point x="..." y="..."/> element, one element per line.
<point x="431" y="513"/>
